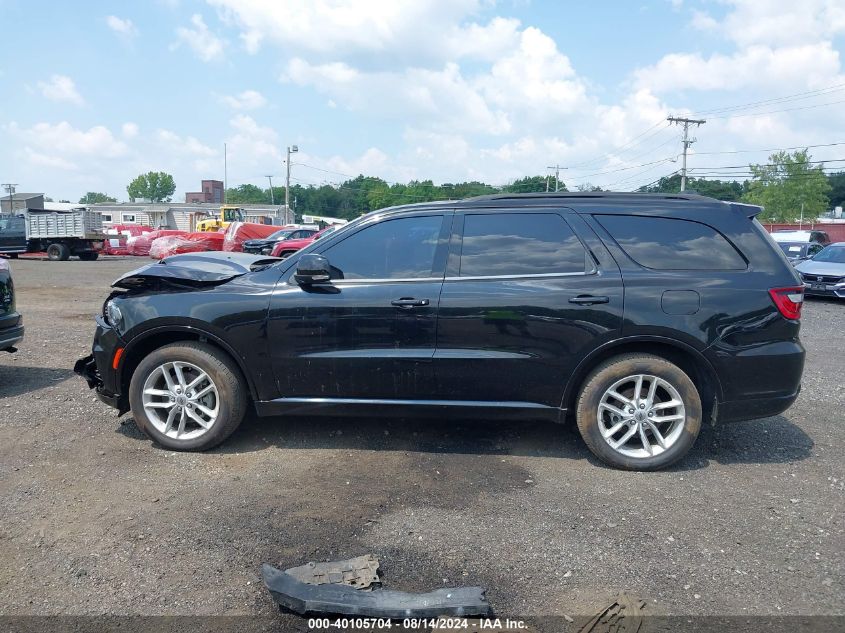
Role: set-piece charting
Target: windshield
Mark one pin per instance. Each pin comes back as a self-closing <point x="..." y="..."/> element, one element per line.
<point x="280" y="235"/>
<point x="324" y="232"/>
<point x="833" y="254"/>
<point x="232" y="215"/>
<point x="792" y="249"/>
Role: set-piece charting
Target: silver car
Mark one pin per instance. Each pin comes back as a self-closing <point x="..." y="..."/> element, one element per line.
<point x="824" y="273"/>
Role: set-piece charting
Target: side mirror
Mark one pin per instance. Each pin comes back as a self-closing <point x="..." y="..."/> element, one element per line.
<point x="312" y="269"/>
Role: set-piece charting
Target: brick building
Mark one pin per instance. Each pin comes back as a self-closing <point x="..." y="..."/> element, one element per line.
<point x="212" y="191"/>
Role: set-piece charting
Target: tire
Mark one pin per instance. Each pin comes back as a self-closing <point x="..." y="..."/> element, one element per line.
<point x="58" y="252"/>
<point x="677" y="426"/>
<point x="285" y="254"/>
<point x="228" y="399"/>
<point x="89" y="256"/>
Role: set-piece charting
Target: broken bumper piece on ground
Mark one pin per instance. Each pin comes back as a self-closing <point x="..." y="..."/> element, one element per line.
<point x="342" y="599"/>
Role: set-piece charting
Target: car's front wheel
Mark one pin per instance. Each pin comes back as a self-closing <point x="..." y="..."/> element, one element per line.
<point x="187" y="396"/>
<point x="639" y="412"/>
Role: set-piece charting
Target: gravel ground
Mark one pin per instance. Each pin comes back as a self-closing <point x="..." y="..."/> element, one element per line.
<point x="95" y="519"/>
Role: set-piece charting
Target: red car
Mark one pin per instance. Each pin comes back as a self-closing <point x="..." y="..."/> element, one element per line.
<point x="288" y="247"/>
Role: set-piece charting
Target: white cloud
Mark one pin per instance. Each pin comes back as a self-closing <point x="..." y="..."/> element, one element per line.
<point x="534" y="79"/>
<point x="129" y="130"/>
<point x="123" y="27"/>
<point x="442" y="97"/>
<point x="188" y="145"/>
<point x="66" y="147"/>
<point x="60" y="88"/>
<point x="246" y="100"/>
<point x="703" y="21"/>
<point x="205" y="44"/>
<point x="783" y="22"/>
<point x="386" y="32"/>
<point x="48" y="160"/>
<point x="803" y="66"/>
<point x="253" y="150"/>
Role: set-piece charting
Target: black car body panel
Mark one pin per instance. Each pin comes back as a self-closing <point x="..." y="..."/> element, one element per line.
<point x="194" y="269"/>
<point x="11" y="322"/>
<point x="514" y="345"/>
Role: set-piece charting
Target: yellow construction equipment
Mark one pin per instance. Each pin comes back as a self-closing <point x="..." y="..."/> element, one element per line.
<point x="228" y="214"/>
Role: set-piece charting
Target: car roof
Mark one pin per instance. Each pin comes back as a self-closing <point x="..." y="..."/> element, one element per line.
<point x="609" y="201"/>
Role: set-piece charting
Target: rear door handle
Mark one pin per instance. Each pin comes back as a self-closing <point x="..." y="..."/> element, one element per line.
<point x="409" y="302"/>
<point x="588" y="300"/>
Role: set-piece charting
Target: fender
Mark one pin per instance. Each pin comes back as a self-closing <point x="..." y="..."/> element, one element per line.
<point x="197" y="332"/>
<point x="588" y="361"/>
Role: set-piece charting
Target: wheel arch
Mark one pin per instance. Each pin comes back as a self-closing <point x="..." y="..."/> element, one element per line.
<point x="151" y="340"/>
<point x="689" y="359"/>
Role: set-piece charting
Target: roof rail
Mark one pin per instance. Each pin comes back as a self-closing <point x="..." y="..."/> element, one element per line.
<point x="686" y="195"/>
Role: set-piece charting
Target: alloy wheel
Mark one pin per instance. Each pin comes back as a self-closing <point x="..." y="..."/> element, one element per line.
<point x="641" y="416"/>
<point x="180" y="400"/>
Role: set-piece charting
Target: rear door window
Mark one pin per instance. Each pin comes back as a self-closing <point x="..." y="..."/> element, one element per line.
<point x="672" y="244"/>
<point x="504" y="244"/>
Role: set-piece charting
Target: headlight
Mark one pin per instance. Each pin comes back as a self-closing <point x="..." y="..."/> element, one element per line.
<point x="113" y="314"/>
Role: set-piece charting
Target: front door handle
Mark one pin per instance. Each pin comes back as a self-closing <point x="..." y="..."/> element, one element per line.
<point x="588" y="300"/>
<point x="409" y="302"/>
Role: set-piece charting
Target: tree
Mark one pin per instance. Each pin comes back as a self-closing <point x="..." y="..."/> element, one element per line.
<point x="250" y="194"/>
<point x="587" y="187"/>
<point x="93" y="197"/>
<point x="730" y="190"/>
<point x="533" y="184"/>
<point x="837" y="189"/>
<point x="155" y="186"/>
<point x="788" y="187"/>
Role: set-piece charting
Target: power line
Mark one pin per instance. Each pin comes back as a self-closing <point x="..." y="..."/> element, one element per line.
<point x="755" y="114"/>
<point x="808" y="162"/>
<point x="770" y="149"/>
<point x="625" y="147"/>
<point x="793" y="97"/>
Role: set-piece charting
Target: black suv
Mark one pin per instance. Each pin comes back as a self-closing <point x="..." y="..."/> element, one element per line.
<point x="11" y="323"/>
<point x="641" y="316"/>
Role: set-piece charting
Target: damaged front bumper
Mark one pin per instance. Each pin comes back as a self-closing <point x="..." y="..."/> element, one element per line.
<point x="97" y="368"/>
<point x="343" y="599"/>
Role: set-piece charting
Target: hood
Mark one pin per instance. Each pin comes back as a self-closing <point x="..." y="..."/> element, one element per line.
<point x="195" y="269"/>
<point x="831" y="269"/>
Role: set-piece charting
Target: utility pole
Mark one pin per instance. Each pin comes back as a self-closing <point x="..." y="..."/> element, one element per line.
<point x="272" y="199"/>
<point x="557" y="169"/>
<point x="687" y="142"/>
<point x="291" y="150"/>
<point x="10" y="187"/>
<point x="225" y="174"/>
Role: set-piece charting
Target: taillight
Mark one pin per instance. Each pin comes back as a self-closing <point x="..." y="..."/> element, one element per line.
<point x="788" y="300"/>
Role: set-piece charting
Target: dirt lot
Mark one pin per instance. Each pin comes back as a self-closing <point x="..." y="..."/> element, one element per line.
<point x="95" y="519"/>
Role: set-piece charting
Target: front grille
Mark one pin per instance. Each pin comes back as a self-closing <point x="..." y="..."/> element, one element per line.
<point x="821" y="279"/>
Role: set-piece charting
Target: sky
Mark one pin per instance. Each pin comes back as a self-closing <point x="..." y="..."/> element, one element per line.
<point x="96" y="92"/>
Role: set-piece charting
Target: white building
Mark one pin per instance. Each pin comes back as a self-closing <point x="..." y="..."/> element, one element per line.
<point x="180" y="215"/>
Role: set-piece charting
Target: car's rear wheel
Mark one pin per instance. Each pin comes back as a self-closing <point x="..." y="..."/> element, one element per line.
<point x="639" y="412"/>
<point x="58" y="253"/>
<point x="187" y="396"/>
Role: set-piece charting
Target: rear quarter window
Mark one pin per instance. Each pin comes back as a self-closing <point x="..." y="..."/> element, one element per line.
<point x="672" y="244"/>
